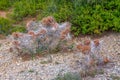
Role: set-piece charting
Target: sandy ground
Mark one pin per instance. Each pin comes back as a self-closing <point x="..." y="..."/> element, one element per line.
<point x="13" y="67"/>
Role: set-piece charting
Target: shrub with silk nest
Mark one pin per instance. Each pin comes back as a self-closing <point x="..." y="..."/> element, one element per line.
<point x="93" y="54"/>
<point x="45" y="35"/>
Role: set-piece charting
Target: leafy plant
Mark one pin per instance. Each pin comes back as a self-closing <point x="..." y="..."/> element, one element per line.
<point x="115" y="77"/>
<point x="91" y="72"/>
<point x="31" y="71"/>
<point x="5" y="4"/>
<point x="18" y="28"/>
<point x="69" y="76"/>
<point x="7" y="28"/>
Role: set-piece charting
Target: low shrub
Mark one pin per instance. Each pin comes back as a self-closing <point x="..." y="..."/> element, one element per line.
<point x="46" y="35"/>
<point x="91" y="72"/>
<point x="96" y="18"/>
<point x="24" y="8"/>
<point x="69" y="76"/>
<point x="87" y="17"/>
<point x="18" y="28"/>
<point x="6" y="4"/>
<point x="114" y="77"/>
<point x="6" y="27"/>
<point x="94" y="56"/>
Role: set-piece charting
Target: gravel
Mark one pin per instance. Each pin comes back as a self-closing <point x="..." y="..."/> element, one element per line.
<point x="12" y="67"/>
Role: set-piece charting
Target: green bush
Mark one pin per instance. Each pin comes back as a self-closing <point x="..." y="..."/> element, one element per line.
<point x="24" y="8"/>
<point x="96" y="18"/>
<point x="68" y="76"/>
<point x="5" y="4"/>
<point x="18" y="28"/>
<point x="86" y="16"/>
<point x="7" y="28"/>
